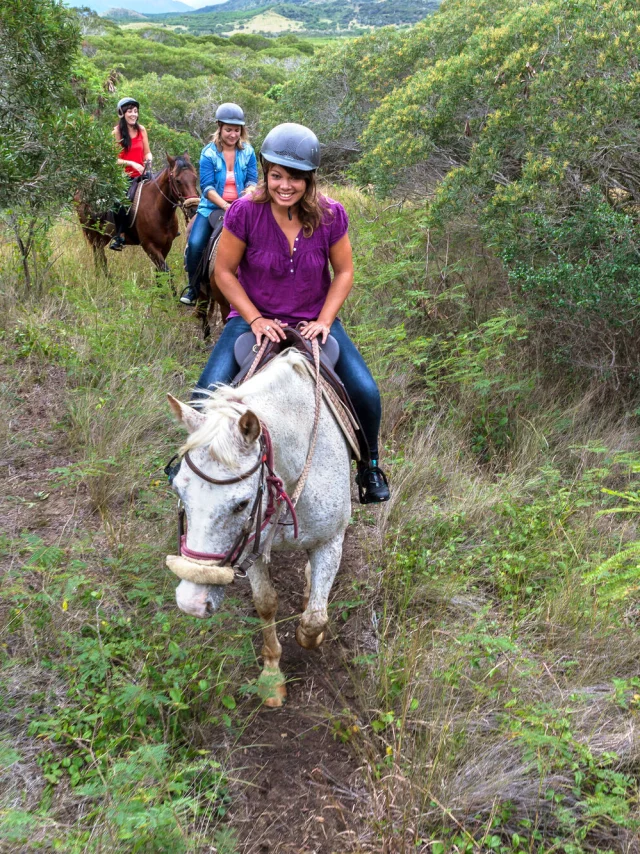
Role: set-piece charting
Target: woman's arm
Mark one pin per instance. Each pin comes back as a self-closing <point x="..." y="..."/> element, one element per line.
<point x="251" y="178"/>
<point x="230" y="252"/>
<point x="341" y="259"/>
<point x="146" y="151"/>
<point x="217" y="199"/>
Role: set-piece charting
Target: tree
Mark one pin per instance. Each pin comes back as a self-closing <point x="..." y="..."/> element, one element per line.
<point x="51" y="143"/>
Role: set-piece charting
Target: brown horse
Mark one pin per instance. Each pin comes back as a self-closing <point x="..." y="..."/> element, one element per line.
<point x="156" y="224"/>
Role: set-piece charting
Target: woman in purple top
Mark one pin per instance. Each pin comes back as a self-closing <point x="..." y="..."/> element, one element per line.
<point x="273" y="262"/>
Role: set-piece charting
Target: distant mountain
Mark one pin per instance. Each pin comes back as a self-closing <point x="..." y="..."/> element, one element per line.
<point x="146" y="7"/>
<point x="124" y="15"/>
<point x="320" y="17"/>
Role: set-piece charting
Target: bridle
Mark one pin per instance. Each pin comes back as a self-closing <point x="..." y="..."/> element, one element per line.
<point x="175" y="192"/>
<point x="268" y="481"/>
<point x="256" y="522"/>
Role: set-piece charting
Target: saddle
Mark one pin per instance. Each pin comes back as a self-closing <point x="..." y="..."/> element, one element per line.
<point x="208" y="257"/>
<point x="133" y="195"/>
<point x="334" y="392"/>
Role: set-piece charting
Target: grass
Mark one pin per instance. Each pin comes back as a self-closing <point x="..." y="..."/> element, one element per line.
<point x="495" y="676"/>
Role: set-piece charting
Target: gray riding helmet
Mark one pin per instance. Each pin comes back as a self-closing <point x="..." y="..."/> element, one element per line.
<point x="124" y="103"/>
<point x="292" y="145"/>
<point x="230" y="114"/>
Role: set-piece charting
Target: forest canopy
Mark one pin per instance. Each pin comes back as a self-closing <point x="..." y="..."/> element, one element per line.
<point x="524" y="117"/>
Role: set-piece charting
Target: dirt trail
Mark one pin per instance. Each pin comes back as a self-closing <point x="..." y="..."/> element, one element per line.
<point x="297" y="789"/>
<point x="302" y="790"/>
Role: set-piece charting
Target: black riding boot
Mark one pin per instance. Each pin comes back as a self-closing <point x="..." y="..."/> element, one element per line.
<point x="118" y="242"/>
<point x="373" y="486"/>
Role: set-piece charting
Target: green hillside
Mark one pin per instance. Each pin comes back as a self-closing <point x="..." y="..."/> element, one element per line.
<point x="180" y="79"/>
<point x="312" y="18"/>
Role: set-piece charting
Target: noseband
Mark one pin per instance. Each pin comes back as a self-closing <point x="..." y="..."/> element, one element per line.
<point x="255" y="524"/>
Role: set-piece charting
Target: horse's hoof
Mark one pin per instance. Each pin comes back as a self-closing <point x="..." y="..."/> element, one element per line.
<point x="275" y="702"/>
<point x="307" y="642"/>
<point x="272" y="690"/>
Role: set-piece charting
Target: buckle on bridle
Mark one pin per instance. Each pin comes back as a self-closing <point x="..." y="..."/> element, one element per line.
<point x="172" y="470"/>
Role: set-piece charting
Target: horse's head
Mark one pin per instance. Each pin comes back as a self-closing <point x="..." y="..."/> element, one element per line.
<point x="220" y="486"/>
<point x="184" y="183"/>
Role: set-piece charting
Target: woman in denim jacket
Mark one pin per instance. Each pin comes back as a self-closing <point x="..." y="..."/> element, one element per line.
<point x="228" y="169"/>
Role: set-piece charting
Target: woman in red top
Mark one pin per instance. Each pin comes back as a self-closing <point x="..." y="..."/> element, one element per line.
<point x="135" y="156"/>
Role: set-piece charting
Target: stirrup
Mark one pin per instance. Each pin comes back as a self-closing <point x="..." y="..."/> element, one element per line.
<point x="189" y="295"/>
<point x="381" y="490"/>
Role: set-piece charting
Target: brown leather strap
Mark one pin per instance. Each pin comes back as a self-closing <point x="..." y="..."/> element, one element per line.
<point x="194" y="468"/>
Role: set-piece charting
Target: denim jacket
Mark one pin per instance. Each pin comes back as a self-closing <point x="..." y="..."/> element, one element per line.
<point x="213" y="173"/>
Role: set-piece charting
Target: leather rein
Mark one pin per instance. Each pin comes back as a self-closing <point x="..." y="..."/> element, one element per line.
<point x="174" y="191"/>
<point x="256" y="522"/>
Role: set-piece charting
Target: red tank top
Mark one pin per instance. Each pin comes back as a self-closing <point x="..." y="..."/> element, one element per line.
<point x="135" y="153"/>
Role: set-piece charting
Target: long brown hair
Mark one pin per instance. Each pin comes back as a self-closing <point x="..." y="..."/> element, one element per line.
<point x="125" y="135"/>
<point x="313" y="208"/>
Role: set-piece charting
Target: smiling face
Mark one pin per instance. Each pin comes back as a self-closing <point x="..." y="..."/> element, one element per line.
<point x="229" y="135"/>
<point x="284" y="190"/>
<point x="131" y="116"/>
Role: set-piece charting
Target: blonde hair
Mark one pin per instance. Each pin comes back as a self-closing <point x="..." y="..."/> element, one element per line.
<point x="243" y="139"/>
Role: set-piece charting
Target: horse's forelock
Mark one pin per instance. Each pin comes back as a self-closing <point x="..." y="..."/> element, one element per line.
<point x="225" y="406"/>
<point x="219" y="432"/>
<point x="183" y="163"/>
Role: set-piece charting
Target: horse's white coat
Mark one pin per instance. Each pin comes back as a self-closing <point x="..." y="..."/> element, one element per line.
<point x="282" y="397"/>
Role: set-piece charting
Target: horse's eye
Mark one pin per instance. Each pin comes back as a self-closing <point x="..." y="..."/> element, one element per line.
<point x="241" y="506"/>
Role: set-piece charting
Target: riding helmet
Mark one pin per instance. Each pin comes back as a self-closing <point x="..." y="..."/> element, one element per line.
<point x="293" y="146"/>
<point x="125" y="103"/>
<point x="230" y="114"/>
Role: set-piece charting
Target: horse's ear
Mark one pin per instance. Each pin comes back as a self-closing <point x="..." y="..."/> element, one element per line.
<point x="249" y="427"/>
<point x="190" y="417"/>
<point x="171" y="160"/>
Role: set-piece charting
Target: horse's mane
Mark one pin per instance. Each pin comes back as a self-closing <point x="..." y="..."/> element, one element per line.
<point x="183" y="163"/>
<point x="224" y="406"/>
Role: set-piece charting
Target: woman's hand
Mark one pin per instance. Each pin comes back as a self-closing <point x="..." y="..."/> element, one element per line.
<point x="271" y="329"/>
<point x="314" y="328"/>
<point x="137" y="166"/>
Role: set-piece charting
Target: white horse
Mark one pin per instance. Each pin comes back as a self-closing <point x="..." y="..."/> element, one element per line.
<point x="227" y="443"/>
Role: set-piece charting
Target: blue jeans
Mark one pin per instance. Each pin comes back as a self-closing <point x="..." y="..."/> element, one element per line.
<point x="198" y="239"/>
<point x="351" y="368"/>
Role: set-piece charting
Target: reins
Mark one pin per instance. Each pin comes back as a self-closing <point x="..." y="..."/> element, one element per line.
<point x="173" y="189"/>
<point x="256" y="522"/>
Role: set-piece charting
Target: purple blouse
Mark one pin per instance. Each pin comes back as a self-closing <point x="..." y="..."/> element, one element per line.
<point x="290" y="286"/>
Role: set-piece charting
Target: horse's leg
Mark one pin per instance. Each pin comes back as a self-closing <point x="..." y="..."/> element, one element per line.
<point x="218" y="297"/>
<point x="271" y="687"/>
<point x="159" y="261"/>
<point x="100" y="259"/>
<point x="307" y="586"/>
<point x="324" y="562"/>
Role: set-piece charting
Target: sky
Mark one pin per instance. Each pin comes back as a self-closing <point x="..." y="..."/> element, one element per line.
<point x="149" y="4"/>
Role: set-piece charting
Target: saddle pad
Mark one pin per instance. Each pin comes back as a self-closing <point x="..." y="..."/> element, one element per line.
<point x="136" y="189"/>
<point x="212" y="254"/>
<point x="343" y="417"/>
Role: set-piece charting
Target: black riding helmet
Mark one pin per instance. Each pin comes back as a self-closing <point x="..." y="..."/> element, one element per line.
<point x="230" y="114"/>
<point x="292" y="146"/>
<point x="125" y="103"/>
